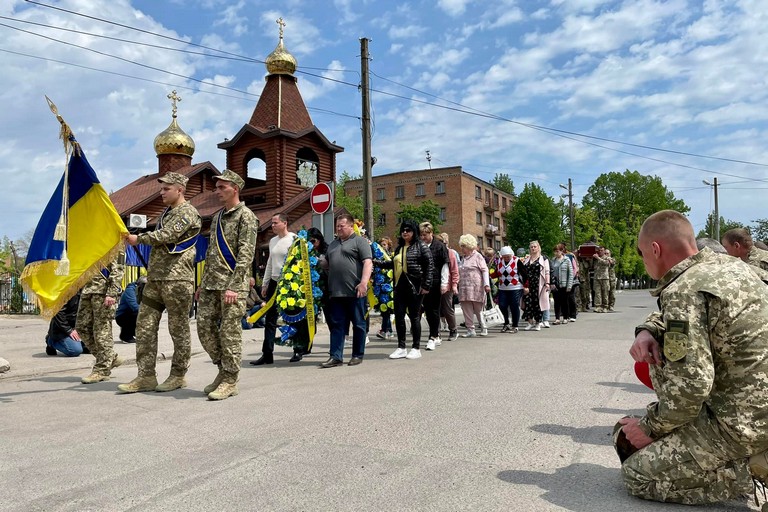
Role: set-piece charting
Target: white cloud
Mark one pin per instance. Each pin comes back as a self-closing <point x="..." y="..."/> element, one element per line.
<point x="454" y="7"/>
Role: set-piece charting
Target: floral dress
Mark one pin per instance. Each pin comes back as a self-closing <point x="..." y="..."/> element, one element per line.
<point x="531" y="307"/>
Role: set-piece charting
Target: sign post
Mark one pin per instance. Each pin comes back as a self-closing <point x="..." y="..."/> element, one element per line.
<point x="321" y="200"/>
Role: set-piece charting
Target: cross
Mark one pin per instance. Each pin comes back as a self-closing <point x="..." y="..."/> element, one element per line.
<point x="174" y="98"/>
<point x="282" y="25"/>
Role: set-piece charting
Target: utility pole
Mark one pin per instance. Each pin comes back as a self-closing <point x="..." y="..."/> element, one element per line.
<point x="570" y="211"/>
<point x="716" y="234"/>
<point x="429" y="159"/>
<point x="367" y="161"/>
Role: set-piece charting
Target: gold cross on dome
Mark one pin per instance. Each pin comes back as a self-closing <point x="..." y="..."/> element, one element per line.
<point x="282" y="25"/>
<point x="174" y="98"/>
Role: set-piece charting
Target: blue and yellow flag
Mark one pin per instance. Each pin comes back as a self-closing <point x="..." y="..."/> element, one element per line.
<point x="79" y="233"/>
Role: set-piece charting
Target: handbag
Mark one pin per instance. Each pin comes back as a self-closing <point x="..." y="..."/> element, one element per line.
<point x="491" y="315"/>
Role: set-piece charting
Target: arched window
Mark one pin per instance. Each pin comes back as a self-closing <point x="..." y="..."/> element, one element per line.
<point x="256" y="165"/>
<point x="307" y="167"/>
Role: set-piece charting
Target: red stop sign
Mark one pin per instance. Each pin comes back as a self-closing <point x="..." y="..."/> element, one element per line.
<point x="320" y="198"/>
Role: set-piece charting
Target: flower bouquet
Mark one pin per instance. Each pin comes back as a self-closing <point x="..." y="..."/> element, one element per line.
<point x="380" y="293"/>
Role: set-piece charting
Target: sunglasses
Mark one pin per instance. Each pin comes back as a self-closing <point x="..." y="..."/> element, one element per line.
<point x="407" y="230"/>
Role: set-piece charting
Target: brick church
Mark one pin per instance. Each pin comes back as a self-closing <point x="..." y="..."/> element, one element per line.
<point x="279" y="153"/>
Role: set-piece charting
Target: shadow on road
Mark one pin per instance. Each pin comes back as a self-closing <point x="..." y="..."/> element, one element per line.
<point x="620" y="413"/>
<point x="630" y="388"/>
<point x="597" y="435"/>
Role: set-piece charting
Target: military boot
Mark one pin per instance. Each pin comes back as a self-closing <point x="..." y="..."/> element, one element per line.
<point x="94" y="377"/>
<point x="139" y="384"/>
<point x="758" y="466"/>
<point x="226" y="389"/>
<point x="215" y="384"/>
<point x="117" y="361"/>
<point x="171" y="383"/>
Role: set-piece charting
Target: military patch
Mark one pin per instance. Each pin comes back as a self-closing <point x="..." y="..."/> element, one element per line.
<point x="676" y="340"/>
<point x="180" y="225"/>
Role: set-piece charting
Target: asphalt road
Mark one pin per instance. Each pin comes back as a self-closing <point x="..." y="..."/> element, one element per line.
<point x="509" y="422"/>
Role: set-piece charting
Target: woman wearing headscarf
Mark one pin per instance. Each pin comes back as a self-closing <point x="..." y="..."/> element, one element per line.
<point x="536" y="286"/>
<point x="474" y="283"/>
<point x="413" y="273"/>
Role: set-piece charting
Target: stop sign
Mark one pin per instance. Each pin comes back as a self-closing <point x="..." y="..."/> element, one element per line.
<point x="320" y="198"/>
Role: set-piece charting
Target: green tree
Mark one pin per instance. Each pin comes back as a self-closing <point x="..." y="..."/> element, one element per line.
<point x="425" y="211"/>
<point x="504" y="183"/>
<point x="760" y="230"/>
<point x="725" y="225"/>
<point x="621" y="202"/>
<point x="354" y="204"/>
<point x="534" y="216"/>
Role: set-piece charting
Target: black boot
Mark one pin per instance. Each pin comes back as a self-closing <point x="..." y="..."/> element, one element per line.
<point x="296" y="357"/>
<point x="265" y="358"/>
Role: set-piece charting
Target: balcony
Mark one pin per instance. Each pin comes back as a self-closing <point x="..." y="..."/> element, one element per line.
<point x="491" y="230"/>
<point x="491" y="207"/>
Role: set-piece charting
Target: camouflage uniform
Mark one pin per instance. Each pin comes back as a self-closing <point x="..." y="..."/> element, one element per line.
<point x="758" y="258"/>
<point x="712" y="387"/>
<point x="585" y="283"/>
<point x="94" y="319"/>
<point x="218" y="323"/>
<point x="170" y="284"/>
<point x="602" y="264"/>
<point x="612" y="284"/>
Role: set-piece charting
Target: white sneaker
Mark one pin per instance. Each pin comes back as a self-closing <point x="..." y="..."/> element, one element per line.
<point x="484" y="332"/>
<point x="537" y="328"/>
<point x="469" y="334"/>
<point x="390" y="335"/>
<point x="398" y="354"/>
<point x="367" y="340"/>
<point x="546" y="324"/>
<point x="529" y="327"/>
<point x="573" y="319"/>
<point x="431" y="344"/>
<point x="438" y="341"/>
<point x="414" y="354"/>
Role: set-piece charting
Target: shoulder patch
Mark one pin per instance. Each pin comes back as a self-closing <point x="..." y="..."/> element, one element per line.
<point x="676" y="340"/>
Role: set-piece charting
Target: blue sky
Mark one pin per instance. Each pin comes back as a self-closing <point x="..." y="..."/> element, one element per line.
<point x="684" y="76"/>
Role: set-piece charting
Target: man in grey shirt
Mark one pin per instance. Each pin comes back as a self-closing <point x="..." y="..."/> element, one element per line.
<point x="349" y="269"/>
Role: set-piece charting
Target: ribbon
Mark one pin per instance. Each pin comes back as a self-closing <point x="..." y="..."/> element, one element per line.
<point x="307" y="288"/>
<point x="224" y="250"/>
<point x="178" y="247"/>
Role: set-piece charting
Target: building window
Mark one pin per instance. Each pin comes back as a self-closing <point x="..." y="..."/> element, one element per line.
<point x="488" y="197"/>
<point x="496" y="222"/>
<point x="443" y="214"/>
<point x="382" y="219"/>
<point x="498" y="245"/>
<point x="399" y="192"/>
<point x="480" y="243"/>
<point x="504" y="203"/>
<point x="496" y="200"/>
<point x="488" y="218"/>
<point x="479" y="218"/>
<point x="478" y="192"/>
<point x="490" y="242"/>
<point x="419" y="189"/>
<point x="440" y="187"/>
<point x="381" y="194"/>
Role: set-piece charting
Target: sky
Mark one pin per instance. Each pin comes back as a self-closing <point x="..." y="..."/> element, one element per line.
<point x="541" y="90"/>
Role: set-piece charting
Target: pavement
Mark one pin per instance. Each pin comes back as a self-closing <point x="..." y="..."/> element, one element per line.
<point x="509" y="422"/>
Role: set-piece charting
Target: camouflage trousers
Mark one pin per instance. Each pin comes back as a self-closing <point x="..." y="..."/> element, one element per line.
<point x="585" y="295"/>
<point x="601" y="293"/>
<point x="176" y="297"/>
<point x="220" y="330"/>
<point x="94" y="325"/>
<point x="611" y="292"/>
<point x="693" y="465"/>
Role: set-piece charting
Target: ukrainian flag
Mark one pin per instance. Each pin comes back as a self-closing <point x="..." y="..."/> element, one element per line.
<point x="94" y="236"/>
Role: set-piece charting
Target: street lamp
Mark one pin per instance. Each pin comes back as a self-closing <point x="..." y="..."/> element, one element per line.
<point x="717" y="210"/>
<point x="569" y="188"/>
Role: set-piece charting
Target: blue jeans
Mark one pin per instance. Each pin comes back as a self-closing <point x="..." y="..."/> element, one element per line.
<point x="339" y="312"/>
<point x="244" y="321"/>
<point x="386" y="322"/>
<point x="67" y="346"/>
<point x="509" y="300"/>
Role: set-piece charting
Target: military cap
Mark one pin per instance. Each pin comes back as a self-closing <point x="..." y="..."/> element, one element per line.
<point x="232" y="176"/>
<point x="173" y="178"/>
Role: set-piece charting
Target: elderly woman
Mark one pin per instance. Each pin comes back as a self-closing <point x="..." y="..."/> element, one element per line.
<point x="413" y="274"/>
<point x="535" y="286"/>
<point x="562" y="280"/>
<point x="474" y="283"/>
<point x="510" y="288"/>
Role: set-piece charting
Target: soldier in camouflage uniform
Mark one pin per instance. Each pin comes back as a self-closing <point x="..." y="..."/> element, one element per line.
<point x="225" y="285"/>
<point x="708" y="353"/>
<point x="602" y="264"/>
<point x="611" y="281"/>
<point x="170" y="284"/>
<point x="738" y="242"/>
<point x="98" y="302"/>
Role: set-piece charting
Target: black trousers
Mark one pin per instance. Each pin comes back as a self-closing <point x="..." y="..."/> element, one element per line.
<point x="432" y="310"/>
<point x="407" y="303"/>
<point x="270" y="321"/>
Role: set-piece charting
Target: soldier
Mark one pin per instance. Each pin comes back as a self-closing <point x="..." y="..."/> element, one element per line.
<point x="611" y="280"/>
<point x="170" y="284"/>
<point x="738" y="243"/>
<point x="98" y="302"/>
<point x="602" y="264"/>
<point x="225" y="285"/>
<point x="708" y="355"/>
<point x="585" y="283"/>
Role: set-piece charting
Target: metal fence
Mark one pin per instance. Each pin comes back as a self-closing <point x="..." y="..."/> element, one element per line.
<point x="13" y="298"/>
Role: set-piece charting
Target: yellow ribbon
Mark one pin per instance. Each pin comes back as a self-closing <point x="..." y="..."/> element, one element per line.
<point x="307" y="287"/>
<point x="261" y="312"/>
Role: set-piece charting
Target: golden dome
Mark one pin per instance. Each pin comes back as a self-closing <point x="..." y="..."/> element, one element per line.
<point x="173" y="140"/>
<point x="280" y="61"/>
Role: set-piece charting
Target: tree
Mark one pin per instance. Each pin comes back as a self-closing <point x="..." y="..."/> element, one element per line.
<point x="760" y="230"/>
<point x="621" y="202"/>
<point x="425" y="211"/>
<point x="534" y="216"/>
<point x="354" y="204"/>
<point x="725" y="225"/>
<point x="504" y="183"/>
